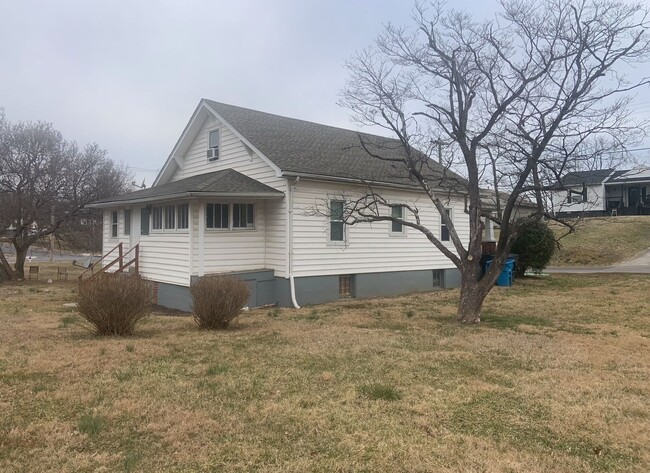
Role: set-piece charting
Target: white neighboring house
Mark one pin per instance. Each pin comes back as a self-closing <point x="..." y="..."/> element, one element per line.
<point x="236" y="196"/>
<point x="603" y="192"/>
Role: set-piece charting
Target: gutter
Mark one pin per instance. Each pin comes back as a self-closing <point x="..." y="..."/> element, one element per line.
<point x="185" y="195"/>
<point x="292" y="282"/>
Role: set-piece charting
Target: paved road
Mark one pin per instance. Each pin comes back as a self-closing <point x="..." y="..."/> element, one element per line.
<point x="638" y="265"/>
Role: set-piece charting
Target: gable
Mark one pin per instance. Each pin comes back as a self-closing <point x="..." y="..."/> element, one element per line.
<point x="189" y="156"/>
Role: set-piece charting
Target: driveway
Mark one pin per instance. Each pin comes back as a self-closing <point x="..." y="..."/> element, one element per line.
<point x="638" y="265"/>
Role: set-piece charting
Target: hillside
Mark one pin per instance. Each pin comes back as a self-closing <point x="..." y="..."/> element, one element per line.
<point x="602" y="241"/>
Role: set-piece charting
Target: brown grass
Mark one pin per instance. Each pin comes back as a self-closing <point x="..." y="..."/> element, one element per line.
<point x="602" y="241"/>
<point x="557" y="378"/>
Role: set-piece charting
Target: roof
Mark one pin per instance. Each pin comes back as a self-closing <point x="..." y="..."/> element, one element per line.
<point x="586" y="177"/>
<point x="640" y="174"/>
<point x="305" y="148"/>
<point x="224" y="183"/>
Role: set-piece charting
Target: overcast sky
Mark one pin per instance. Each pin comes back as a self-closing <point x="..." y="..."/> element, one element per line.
<point x="128" y="74"/>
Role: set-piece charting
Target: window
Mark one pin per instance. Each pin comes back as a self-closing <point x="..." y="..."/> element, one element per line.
<point x="144" y="220"/>
<point x="345" y="286"/>
<point x="213" y="145"/>
<point x="397" y="212"/>
<point x="156" y="218"/>
<point x="576" y="198"/>
<point x="127" y="221"/>
<point x="337" y="232"/>
<point x="437" y="278"/>
<point x="183" y="216"/>
<point x="243" y="215"/>
<point x="217" y="216"/>
<point x="170" y="217"/>
<point x="114" y="224"/>
<point x="444" y="231"/>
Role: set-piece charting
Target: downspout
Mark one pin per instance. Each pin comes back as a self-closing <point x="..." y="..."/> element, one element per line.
<point x="292" y="283"/>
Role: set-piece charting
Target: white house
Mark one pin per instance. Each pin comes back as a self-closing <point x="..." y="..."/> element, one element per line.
<point x="603" y="192"/>
<point x="236" y="196"/>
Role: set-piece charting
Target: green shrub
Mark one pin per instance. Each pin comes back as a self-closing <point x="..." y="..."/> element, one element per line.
<point x="114" y="303"/>
<point x="217" y="300"/>
<point x="534" y="246"/>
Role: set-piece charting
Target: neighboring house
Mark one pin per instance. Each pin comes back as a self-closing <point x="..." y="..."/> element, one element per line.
<point x="237" y="196"/>
<point x="603" y="192"/>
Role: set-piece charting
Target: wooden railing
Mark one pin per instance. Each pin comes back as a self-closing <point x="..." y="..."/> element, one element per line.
<point x="121" y="261"/>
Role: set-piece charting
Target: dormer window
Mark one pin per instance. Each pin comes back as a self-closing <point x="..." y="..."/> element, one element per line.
<point x="213" y="145"/>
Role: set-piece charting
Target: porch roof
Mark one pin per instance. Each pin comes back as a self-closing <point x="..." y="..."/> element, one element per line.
<point x="226" y="183"/>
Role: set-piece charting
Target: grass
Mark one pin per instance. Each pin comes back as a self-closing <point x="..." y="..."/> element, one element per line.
<point x="602" y="241"/>
<point x="556" y="378"/>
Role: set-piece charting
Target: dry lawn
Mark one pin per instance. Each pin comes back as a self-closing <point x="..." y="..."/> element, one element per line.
<point x="557" y="378"/>
<point x="602" y="241"/>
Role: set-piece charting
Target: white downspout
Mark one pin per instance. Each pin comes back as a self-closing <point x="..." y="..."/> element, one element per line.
<point x="292" y="283"/>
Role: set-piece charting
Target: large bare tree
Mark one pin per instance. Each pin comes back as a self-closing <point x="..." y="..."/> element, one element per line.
<point x="45" y="184"/>
<point x="515" y="101"/>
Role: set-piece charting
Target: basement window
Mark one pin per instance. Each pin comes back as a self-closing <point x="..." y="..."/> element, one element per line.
<point x="345" y="286"/>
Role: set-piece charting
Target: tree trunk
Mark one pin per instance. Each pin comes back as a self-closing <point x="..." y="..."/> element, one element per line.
<point x="6" y="271"/>
<point x="471" y="301"/>
<point x="21" y="255"/>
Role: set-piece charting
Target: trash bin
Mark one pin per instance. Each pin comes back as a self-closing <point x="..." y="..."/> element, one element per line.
<point x="506" y="276"/>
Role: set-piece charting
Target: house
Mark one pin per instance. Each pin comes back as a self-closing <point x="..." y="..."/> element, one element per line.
<point x="237" y="196"/>
<point x="603" y="192"/>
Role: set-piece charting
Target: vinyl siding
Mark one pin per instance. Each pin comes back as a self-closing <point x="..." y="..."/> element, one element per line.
<point x="235" y="155"/>
<point x="370" y="247"/>
<point x="595" y="200"/>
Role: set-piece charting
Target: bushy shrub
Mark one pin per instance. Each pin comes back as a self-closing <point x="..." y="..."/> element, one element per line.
<point x="534" y="246"/>
<point x="217" y="300"/>
<point x="114" y="303"/>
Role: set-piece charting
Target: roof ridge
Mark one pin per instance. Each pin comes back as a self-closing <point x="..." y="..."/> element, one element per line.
<point x="302" y="120"/>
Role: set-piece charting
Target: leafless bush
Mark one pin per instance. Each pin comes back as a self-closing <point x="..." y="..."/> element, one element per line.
<point x="217" y="300"/>
<point x="114" y="303"/>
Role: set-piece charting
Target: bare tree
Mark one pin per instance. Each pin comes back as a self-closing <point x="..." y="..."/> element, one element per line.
<point x="45" y="184"/>
<point x="527" y="96"/>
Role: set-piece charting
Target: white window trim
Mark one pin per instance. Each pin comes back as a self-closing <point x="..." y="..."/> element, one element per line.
<point x="117" y="224"/>
<point x="170" y="230"/>
<point x="218" y="128"/>
<point x="336" y="243"/>
<point x="231" y="214"/>
<point x="451" y="217"/>
<point x="402" y="233"/>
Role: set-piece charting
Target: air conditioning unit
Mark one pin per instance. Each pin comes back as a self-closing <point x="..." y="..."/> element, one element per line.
<point x="213" y="154"/>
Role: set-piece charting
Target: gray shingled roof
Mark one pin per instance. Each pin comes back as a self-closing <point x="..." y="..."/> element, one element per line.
<point x="587" y="177"/>
<point x="306" y="148"/>
<point x="222" y="183"/>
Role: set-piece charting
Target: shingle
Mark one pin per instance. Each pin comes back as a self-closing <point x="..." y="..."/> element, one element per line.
<point x="298" y="146"/>
<point x="587" y="177"/>
<point x="227" y="181"/>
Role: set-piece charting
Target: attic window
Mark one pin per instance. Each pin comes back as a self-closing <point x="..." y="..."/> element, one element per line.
<point x="213" y="145"/>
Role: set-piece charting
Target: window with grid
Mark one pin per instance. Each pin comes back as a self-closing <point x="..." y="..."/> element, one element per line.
<point x="397" y="212"/>
<point x="183" y="217"/>
<point x="156" y="218"/>
<point x="337" y="230"/>
<point x="217" y="216"/>
<point x="243" y="215"/>
<point x="170" y="217"/>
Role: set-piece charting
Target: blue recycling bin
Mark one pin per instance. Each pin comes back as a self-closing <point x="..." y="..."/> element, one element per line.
<point x="506" y="276"/>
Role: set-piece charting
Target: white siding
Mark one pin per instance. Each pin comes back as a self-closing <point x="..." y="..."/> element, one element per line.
<point x="108" y="242"/>
<point x="370" y="247"/>
<point x="595" y="200"/>
<point x="235" y="155"/>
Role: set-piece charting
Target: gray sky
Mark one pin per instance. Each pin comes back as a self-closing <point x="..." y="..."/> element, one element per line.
<point x="128" y="74"/>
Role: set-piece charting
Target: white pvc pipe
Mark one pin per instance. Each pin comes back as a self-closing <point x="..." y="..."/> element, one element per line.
<point x="292" y="284"/>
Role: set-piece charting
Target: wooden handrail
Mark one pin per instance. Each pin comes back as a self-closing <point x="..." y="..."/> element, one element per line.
<point x="119" y="260"/>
